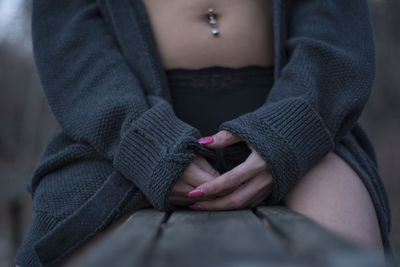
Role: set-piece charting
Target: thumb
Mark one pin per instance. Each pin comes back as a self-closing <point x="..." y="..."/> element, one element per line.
<point x="221" y="139"/>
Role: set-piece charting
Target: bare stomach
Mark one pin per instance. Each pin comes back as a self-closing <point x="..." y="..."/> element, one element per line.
<point x="184" y="37"/>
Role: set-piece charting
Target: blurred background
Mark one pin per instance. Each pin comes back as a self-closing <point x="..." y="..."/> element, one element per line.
<point x="25" y="120"/>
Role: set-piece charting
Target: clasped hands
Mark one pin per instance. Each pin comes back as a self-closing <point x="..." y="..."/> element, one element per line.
<point x="201" y="187"/>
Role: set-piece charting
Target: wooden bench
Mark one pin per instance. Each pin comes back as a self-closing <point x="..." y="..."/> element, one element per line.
<point x="264" y="236"/>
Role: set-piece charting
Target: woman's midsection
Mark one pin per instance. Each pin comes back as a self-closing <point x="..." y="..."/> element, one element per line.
<point x="184" y="36"/>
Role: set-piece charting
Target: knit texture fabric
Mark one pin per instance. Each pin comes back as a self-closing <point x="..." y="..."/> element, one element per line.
<point x="121" y="141"/>
<point x="321" y="91"/>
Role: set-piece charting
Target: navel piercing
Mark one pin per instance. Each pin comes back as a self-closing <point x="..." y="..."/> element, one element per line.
<point x="212" y="21"/>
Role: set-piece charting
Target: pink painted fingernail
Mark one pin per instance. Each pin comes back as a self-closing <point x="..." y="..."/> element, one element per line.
<point x="196" y="193"/>
<point x="196" y="207"/>
<point x="206" y="140"/>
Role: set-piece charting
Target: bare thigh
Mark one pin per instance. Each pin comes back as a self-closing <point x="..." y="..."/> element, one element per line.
<point x="332" y="193"/>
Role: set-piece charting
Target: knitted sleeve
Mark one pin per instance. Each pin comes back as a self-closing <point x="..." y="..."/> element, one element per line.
<point x="98" y="100"/>
<point x="320" y="93"/>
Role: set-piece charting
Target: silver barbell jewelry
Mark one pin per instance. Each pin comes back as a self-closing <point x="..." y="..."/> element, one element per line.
<point x="212" y="21"/>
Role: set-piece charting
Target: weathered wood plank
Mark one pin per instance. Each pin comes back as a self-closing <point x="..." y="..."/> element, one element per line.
<point x="315" y="243"/>
<point x="128" y="245"/>
<point x="219" y="238"/>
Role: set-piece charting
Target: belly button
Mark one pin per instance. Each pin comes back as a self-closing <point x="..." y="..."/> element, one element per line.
<point x="213" y="21"/>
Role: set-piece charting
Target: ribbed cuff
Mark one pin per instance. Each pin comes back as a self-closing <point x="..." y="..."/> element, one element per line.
<point x="289" y="135"/>
<point x="156" y="149"/>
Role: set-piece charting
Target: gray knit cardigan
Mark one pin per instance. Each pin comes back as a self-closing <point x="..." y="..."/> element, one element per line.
<point x="120" y="140"/>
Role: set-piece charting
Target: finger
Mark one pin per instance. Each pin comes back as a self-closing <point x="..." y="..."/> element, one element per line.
<point x="198" y="197"/>
<point x="227" y="202"/>
<point x="207" y="167"/>
<point x="226" y="192"/>
<point x="242" y="196"/>
<point x="232" y="178"/>
<point x="203" y="164"/>
<point x="180" y="188"/>
<point x="222" y="139"/>
<point x="195" y="176"/>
